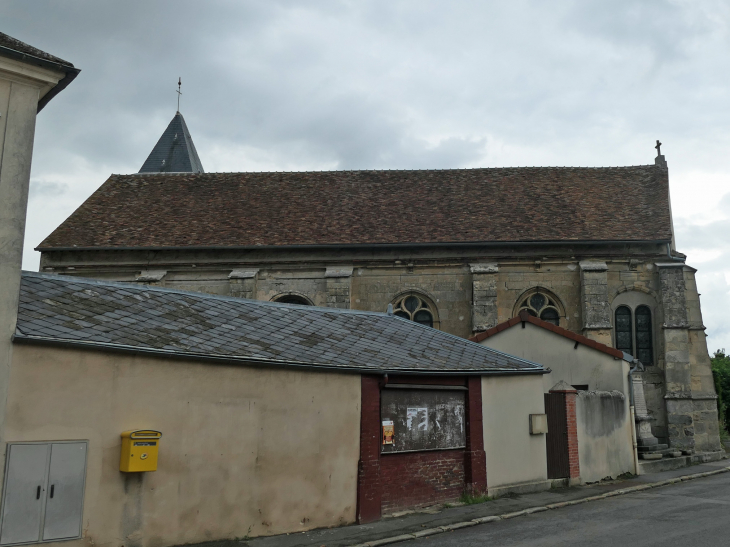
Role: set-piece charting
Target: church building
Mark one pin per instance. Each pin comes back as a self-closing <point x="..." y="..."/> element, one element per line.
<point x="591" y="250"/>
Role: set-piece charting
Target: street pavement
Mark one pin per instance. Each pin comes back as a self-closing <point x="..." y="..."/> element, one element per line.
<point x="691" y="513"/>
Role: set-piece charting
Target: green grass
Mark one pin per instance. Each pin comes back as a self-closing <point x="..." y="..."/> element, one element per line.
<point x="469" y="498"/>
<point x="624" y="476"/>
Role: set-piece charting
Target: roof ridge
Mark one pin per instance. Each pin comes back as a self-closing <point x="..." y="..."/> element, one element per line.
<point x="524" y="316"/>
<point x="447" y="169"/>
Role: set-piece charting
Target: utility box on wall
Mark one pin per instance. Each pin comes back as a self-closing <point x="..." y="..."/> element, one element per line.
<point x="139" y="450"/>
<point x="538" y="424"/>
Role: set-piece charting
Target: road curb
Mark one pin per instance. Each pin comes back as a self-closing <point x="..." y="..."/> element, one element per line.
<point x="530" y="510"/>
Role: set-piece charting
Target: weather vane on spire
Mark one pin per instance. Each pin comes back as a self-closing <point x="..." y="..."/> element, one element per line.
<point x="179" y="83"/>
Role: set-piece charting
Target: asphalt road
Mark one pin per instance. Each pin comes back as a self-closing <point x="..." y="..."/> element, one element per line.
<point x="694" y="513"/>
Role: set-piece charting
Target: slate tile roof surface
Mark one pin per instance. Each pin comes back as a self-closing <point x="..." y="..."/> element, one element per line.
<point x="527" y="204"/>
<point x="174" y="152"/>
<point x="21" y="47"/>
<point x="83" y="312"/>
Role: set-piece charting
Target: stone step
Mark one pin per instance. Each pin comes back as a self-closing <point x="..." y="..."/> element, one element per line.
<point x="659" y="454"/>
<point x="665" y="464"/>
<point x="653" y="448"/>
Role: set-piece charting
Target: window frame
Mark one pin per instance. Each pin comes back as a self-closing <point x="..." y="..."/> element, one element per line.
<point x="633" y="305"/>
<point x="426" y="304"/>
<point x="552" y="303"/>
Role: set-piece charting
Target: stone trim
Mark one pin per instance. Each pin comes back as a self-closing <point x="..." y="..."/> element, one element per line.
<point x="486" y="267"/>
<point x="151" y="275"/>
<point x="338" y="271"/>
<point x="242" y="283"/>
<point x="484" y="311"/>
<point x="594" y="297"/>
<point x="243" y="274"/>
<point x="592" y="266"/>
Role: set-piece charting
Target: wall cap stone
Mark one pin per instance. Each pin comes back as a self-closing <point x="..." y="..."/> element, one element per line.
<point x="670" y="264"/>
<point x="151" y="275"/>
<point x="243" y="274"/>
<point x="563" y="387"/>
<point x="338" y="271"/>
<point x="592" y="266"/>
<point x="484" y="267"/>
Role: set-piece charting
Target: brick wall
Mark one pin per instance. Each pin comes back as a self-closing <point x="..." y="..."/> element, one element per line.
<point x="368" y="468"/>
<point x="391" y="482"/>
<point x="418" y="479"/>
<point x="572" y="434"/>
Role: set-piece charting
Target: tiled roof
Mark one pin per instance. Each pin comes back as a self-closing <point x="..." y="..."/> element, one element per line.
<point x="174" y="152"/>
<point x="89" y="313"/>
<point x="531" y="204"/>
<point x="21" y="47"/>
<point x="525" y="316"/>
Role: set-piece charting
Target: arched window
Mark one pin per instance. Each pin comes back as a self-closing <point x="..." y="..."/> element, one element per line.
<point x="540" y="304"/>
<point x="293" y="299"/>
<point x="644" y="335"/>
<point x="624" y="338"/>
<point x="634" y="334"/>
<point x="415" y="308"/>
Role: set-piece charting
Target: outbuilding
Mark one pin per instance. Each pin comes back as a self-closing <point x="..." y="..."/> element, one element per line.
<point x="273" y="417"/>
<point x="590" y="385"/>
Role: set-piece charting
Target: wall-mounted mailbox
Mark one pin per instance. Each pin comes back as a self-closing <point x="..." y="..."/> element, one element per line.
<point x="139" y="450"/>
<point x="538" y="424"/>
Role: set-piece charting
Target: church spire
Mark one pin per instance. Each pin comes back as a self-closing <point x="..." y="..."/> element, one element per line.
<point x="174" y="152"/>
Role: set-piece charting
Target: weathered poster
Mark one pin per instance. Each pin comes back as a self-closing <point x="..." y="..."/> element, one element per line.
<point x="424" y="419"/>
<point x="388" y="431"/>
<point x="417" y="419"/>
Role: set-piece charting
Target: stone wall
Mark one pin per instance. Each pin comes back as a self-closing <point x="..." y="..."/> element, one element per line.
<point x="471" y="291"/>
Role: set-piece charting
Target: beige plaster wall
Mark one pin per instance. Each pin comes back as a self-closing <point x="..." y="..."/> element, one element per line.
<point x="575" y="366"/>
<point x="513" y="455"/>
<point x="21" y="86"/>
<point x="245" y="451"/>
<point x="605" y="442"/>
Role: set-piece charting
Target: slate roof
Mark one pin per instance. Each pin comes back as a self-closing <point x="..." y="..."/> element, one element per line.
<point x="530" y="204"/>
<point x="89" y="313"/>
<point x="174" y="152"/>
<point x="21" y="47"/>
<point x="560" y="331"/>
<point x="15" y="49"/>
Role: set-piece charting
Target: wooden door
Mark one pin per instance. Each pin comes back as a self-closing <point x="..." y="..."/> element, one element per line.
<point x="558" y="464"/>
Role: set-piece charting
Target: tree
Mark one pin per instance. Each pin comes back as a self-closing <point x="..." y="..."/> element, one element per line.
<point x="721" y="375"/>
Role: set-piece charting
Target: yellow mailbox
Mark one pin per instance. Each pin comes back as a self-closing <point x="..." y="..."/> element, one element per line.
<point x="139" y="450"/>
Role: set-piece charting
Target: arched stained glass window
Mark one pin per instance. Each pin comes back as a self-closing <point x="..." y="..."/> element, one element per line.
<point x="414" y="308"/>
<point x="644" y="342"/>
<point x="542" y="306"/>
<point x="624" y="340"/>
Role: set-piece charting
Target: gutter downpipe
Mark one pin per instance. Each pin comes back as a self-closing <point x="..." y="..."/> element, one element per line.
<point x="670" y="257"/>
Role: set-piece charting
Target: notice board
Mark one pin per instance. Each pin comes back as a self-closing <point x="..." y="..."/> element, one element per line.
<point x="422" y="419"/>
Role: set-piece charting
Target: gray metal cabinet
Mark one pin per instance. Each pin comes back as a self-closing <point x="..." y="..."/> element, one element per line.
<point x="44" y="491"/>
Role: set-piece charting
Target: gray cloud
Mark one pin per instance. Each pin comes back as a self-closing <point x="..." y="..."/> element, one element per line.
<point x="278" y="84"/>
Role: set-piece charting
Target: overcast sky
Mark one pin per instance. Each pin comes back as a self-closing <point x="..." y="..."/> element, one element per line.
<point x="283" y="85"/>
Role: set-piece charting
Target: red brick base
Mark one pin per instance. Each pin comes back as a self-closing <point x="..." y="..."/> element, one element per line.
<point x="418" y="479"/>
<point x="391" y="482"/>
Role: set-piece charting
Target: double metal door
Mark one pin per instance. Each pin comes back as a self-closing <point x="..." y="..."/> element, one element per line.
<point x="44" y="492"/>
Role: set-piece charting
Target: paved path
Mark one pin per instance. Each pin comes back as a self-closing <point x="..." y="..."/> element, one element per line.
<point x="689" y="513"/>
